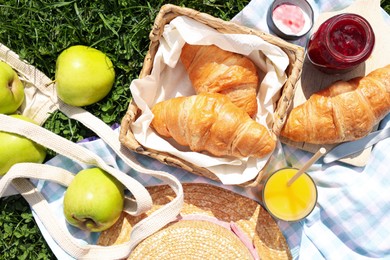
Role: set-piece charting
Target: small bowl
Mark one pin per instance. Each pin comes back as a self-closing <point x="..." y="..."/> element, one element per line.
<point x="282" y="30"/>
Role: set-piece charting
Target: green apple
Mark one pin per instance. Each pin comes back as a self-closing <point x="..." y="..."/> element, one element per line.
<point x="16" y="149"/>
<point x="11" y="89"/>
<point x="94" y="200"/>
<point x="83" y="76"/>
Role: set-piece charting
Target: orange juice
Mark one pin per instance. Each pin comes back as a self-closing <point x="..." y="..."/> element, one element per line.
<point x="290" y="203"/>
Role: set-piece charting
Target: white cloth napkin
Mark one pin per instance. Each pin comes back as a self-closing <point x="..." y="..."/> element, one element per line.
<point x="169" y="79"/>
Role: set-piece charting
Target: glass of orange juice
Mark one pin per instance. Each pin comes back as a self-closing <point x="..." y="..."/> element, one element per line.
<point x="289" y="203"/>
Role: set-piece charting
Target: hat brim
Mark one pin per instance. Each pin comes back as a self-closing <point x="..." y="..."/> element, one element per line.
<point x="199" y="238"/>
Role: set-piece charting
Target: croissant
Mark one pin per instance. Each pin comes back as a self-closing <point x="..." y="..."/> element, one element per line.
<point x="344" y="111"/>
<point x="214" y="70"/>
<point x="211" y="122"/>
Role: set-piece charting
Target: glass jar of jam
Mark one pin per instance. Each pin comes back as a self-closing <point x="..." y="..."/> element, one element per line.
<point x="341" y="43"/>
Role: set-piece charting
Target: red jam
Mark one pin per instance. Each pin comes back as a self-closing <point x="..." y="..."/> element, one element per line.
<point x="341" y="43"/>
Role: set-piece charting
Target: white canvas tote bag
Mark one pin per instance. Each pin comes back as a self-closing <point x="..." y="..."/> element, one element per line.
<point x="41" y="100"/>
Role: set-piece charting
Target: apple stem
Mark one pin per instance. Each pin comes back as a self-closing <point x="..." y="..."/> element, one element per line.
<point x="50" y="83"/>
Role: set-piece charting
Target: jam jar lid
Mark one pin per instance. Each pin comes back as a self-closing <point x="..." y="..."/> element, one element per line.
<point x="290" y="19"/>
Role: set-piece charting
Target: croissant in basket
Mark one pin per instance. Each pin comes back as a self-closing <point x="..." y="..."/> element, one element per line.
<point x="345" y="111"/>
<point x="211" y="122"/>
<point x="214" y="70"/>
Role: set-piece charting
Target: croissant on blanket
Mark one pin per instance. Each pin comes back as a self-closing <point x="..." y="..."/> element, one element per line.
<point x="345" y="111"/>
<point x="214" y="70"/>
<point x="211" y="122"/>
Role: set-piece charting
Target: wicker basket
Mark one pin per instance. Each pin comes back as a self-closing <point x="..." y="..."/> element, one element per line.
<point x="169" y="12"/>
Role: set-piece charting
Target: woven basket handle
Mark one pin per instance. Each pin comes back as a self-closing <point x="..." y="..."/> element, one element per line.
<point x="142" y="199"/>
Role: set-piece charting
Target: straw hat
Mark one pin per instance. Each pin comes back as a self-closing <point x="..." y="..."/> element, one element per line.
<point x="214" y="224"/>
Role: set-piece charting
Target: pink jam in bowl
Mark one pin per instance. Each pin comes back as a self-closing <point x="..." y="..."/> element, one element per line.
<point x="289" y="18"/>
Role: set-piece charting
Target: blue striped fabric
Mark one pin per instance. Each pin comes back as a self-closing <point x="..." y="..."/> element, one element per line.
<point x="352" y="216"/>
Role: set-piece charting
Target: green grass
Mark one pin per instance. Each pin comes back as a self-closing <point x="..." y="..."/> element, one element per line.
<point x="386" y="5"/>
<point x="20" y="236"/>
<point x="38" y="31"/>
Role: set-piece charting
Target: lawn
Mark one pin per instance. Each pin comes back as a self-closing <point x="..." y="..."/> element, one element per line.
<point x="38" y="31"/>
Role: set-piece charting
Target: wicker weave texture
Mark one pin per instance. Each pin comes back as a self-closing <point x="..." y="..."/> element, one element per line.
<point x="197" y="238"/>
<point x="168" y="13"/>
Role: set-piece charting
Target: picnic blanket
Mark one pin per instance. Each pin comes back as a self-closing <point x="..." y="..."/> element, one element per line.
<point x="351" y="219"/>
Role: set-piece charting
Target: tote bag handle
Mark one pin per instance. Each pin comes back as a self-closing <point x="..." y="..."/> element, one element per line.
<point x="19" y="173"/>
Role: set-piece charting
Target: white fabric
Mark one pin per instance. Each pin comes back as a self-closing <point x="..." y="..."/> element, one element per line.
<point x="169" y="79"/>
<point x="41" y="100"/>
<point x="40" y="95"/>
